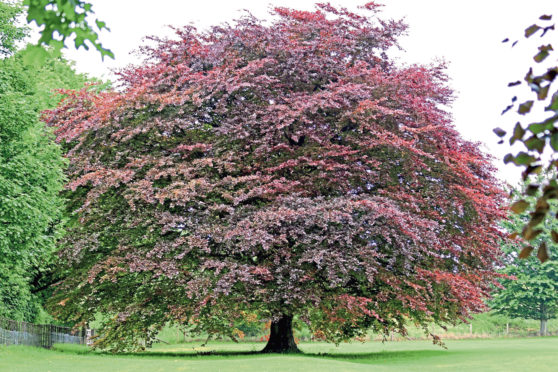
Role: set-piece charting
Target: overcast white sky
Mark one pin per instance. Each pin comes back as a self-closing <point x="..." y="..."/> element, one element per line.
<point x="467" y="34"/>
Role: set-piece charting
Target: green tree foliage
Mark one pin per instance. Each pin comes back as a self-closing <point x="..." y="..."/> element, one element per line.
<point x="531" y="290"/>
<point x="31" y="176"/>
<point x="537" y="136"/>
<point x="63" y="19"/>
<point x="10" y="34"/>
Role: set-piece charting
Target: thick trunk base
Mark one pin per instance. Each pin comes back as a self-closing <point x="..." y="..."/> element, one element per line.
<point x="281" y="338"/>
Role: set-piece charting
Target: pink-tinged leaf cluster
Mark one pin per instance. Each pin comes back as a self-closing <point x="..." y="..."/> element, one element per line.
<point x="276" y="169"/>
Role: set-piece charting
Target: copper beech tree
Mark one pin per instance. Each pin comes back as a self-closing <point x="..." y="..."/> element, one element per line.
<point x="282" y="169"/>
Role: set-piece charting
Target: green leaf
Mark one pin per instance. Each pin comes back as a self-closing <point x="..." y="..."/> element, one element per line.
<point x="532" y="190"/>
<point x="100" y="24"/>
<point x="531" y="30"/>
<point x="518" y="133"/>
<point x="106" y="52"/>
<point x="525" y="107"/>
<point x="526" y="252"/>
<point x="553" y="106"/>
<point x="529" y="233"/>
<point x="519" y="206"/>
<point x="542" y="206"/>
<point x="536" y="218"/>
<point x="550" y="74"/>
<point x="536" y="169"/>
<point x="508" y="158"/>
<point x="543" y="92"/>
<point x="537" y="128"/>
<point x="550" y="191"/>
<point x="499" y="132"/>
<point x="535" y="143"/>
<point x="542" y="253"/>
<point x="544" y="51"/>
<point x="524" y="159"/>
<point x="531" y="169"/>
<point x="554" y="141"/>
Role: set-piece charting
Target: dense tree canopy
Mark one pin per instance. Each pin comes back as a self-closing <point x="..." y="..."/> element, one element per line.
<point x="274" y="169"/>
<point x="530" y="290"/>
<point x="31" y="174"/>
<point x="10" y="33"/>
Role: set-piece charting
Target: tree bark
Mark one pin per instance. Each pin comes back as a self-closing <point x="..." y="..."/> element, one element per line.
<point x="281" y="338"/>
<point x="542" y="331"/>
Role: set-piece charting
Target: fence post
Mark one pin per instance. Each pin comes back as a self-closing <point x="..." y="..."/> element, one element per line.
<point x="45" y="336"/>
<point x="88" y="337"/>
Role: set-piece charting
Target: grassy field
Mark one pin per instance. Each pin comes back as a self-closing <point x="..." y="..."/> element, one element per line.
<point x="527" y="354"/>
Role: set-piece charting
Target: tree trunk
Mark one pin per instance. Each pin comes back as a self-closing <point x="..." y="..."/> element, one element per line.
<point x="281" y="338"/>
<point x="542" y="331"/>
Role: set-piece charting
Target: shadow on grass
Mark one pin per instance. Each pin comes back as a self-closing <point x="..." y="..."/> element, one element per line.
<point x="371" y="357"/>
<point x="382" y="355"/>
<point x="172" y="354"/>
<point x="194" y="354"/>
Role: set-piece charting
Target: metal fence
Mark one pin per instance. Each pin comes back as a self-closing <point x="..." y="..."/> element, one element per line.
<point x="44" y="335"/>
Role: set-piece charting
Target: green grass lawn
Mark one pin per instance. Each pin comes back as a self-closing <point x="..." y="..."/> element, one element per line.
<point x="527" y="354"/>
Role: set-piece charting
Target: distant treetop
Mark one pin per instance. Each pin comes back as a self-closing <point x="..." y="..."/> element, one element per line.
<point x="62" y="19"/>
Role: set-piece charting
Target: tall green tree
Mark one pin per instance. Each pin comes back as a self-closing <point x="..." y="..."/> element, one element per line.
<point x="31" y="171"/>
<point x="530" y="290"/>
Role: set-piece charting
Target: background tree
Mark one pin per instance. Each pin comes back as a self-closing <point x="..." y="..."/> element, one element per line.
<point x="61" y="19"/>
<point x="10" y="33"/>
<point x="274" y="169"/>
<point x="31" y="173"/>
<point x="531" y="291"/>
<point x="537" y="136"/>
